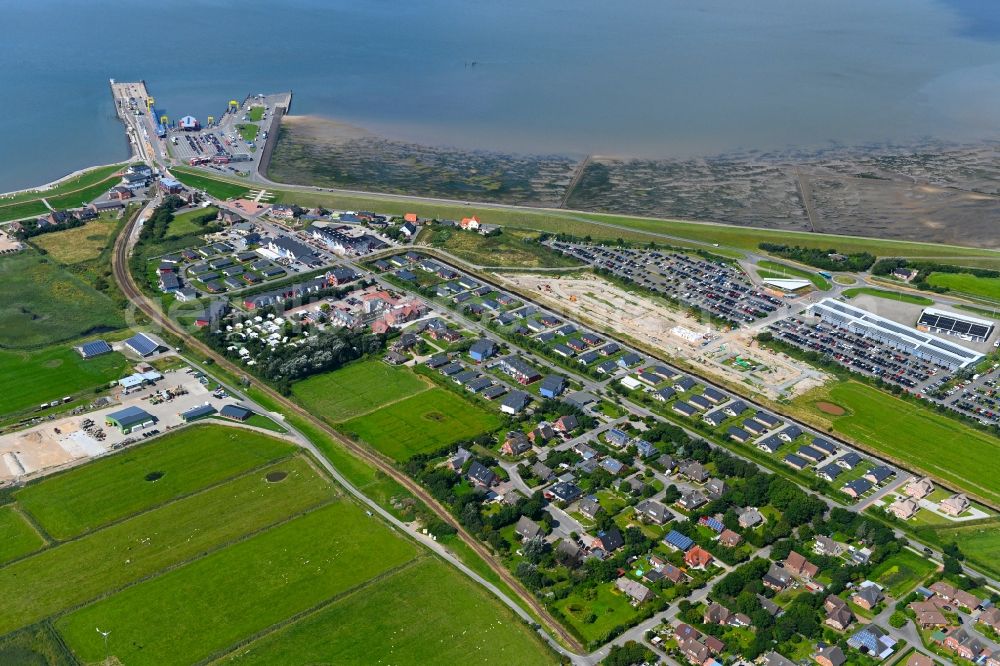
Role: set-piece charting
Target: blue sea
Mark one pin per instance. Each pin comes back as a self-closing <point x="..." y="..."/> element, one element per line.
<point x="650" y="78"/>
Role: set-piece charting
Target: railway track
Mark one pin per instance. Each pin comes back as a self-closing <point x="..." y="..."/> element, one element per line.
<point x="132" y="292"/>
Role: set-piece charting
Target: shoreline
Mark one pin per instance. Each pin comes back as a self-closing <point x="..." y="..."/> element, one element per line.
<point x="48" y="186"/>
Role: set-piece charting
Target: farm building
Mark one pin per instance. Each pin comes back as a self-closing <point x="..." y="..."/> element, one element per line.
<point x="199" y="412"/>
<point x="235" y="413"/>
<point x="95" y="348"/>
<point x="142" y="344"/>
<point x="130" y="419"/>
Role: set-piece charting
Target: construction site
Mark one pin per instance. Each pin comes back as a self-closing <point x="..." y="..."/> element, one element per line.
<point x="730" y="354"/>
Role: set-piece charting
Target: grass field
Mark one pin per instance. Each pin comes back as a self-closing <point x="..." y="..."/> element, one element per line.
<point x="183" y="224"/>
<point x="508" y="249"/>
<point x="72" y="246"/>
<point x="966" y="283"/>
<point x="609" y="609"/>
<point x="356" y="389"/>
<point x="216" y="188"/>
<point x="980" y="543"/>
<point x="887" y="294"/>
<point x="248" y="131"/>
<point x="391" y="635"/>
<point x="41" y="303"/>
<point x="201" y="609"/>
<point x="902" y="572"/>
<point x="421" y="423"/>
<point x="596" y="224"/>
<point x="66" y="575"/>
<point x="65" y="195"/>
<point x="256" y="113"/>
<point x="34" y="646"/>
<point x="82" y="499"/>
<point x="786" y="272"/>
<point x="912" y="434"/>
<point x="17" y="537"/>
<point x="29" y="378"/>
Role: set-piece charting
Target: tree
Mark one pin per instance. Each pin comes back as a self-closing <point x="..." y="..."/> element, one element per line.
<point x="898" y="620"/>
<point x="533" y="549"/>
<point x="629" y="654"/>
<point x="952" y="566"/>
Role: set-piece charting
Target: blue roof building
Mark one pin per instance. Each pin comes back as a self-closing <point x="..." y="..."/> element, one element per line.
<point x="677" y="540"/>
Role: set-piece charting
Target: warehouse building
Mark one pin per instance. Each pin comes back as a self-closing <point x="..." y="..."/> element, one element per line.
<point x="130" y="419"/>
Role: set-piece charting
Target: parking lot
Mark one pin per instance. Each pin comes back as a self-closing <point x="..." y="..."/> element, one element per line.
<point x="718" y="288"/>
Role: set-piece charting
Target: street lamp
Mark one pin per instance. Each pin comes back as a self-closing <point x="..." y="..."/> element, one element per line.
<point x="105" y="634"/>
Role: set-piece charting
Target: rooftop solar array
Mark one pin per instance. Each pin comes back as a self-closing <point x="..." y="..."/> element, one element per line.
<point x="866" y="323"/>
<point x="142" y="345"/>
<point x="95" y="348"/>
<point x="947" y="322"/>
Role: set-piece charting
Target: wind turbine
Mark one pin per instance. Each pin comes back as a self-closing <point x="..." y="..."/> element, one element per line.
<point x="105" y="634"/>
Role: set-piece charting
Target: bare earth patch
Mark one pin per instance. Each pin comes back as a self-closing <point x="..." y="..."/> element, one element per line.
<point x="830" y="408"/>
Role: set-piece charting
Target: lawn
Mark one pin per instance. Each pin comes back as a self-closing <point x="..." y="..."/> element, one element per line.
<point x="17" y="211"/>
<point x="215" y="188"/>
<point x="248" y="131"/>
<point x="67" y="194"/>
<point x="17" y="537"/>
<point x="81" y="181"/>
<point x="357" y="388"/>
<point x="787" y="272"/>
<point x="84" y="569"/>
<point x="597" y="226"/>
<point x="256" y="113"/>
<point x="42" y="303"/>
<point x="966" y="283"/>
<point x="83" y="196"/>
<point x="912" y="435"/>
<point x="594" y="618"/>
<point x="511" y="248"/>
<point x="82" y="499"/>
<point x="902" y="572"/>
<point x="72" y="246"/>
<point x="183" y="224"/>
<point x="387" y="609"/>
<point x="29" y="378"/>
<point x="891" y="295"/>
<point x="422" y="423"/>
<point x="205" y="608"/>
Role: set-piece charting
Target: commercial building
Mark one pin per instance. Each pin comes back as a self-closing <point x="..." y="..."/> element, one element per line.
<point x="961" y="326"/>
<point x="922" y="345"/>
<point x="130" y="419"/>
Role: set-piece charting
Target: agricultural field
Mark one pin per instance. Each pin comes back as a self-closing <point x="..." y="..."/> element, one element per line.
<point x="218" y="564"/>
<point x="421" y="423"/>
<point x="357" y="388"/>
<point x="41" y="303"/>
<point x="17" y="537"/>
<point x="88" y="497"/>
<point x="902" y="572"/>
<point x="183" y="224"/>
<point x="72" y="246"/>
<point x="392" y="636"/>
<point x="787" y="272"/>
<point x="911" y="434"/>
<point x="29" y="378"/>
<point x="900" y="296"/>
<point x="513" y="248"/>
<point x="966" y="283"/>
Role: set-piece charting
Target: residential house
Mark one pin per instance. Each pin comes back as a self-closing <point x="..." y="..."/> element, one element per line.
<point x="542" y="471"/>
<point x="515" y="402"/>
<point x="482" y="349"/>
<point x="691" y="500"/>
<point x="829" y="472"/>
<point x="698" y="558"/>
<point x="589" y="506"/>
<point x="528" y="529"/>
<point x="457" y="461"/>
<point x="991" y="618"/>
<point x="827" y="546"/>
<point x="564" y="491"/>
<point x="750" y="517"/>
<point x="830" y="655"/>
<point x="849" y="460"/>
<point x="566" y="424"/>
<point x="653" y="512"/>
<point x="715" y="488"/>
<point x="515" y="444"/>
<point x="838" y="613"/>
<point x="777" y="578"/>
<point x="635" y="590"/>
<point x="867" y="595"/>
<point x="730" y="539"/>
<point x="694" y="471"/>
<point x="775" y="659"/>
<point x="678" y="541"/>
<point x="955" y="505"/>
<point x="799" y="566"/>
<point x="552" y="386"/>
<point x="904" y="508"/>
<point x="873" y="641"/>
<point x="879" y="473"/>
<point x="481" y="475"/>
<point x="608" y="540"/>
<point x="857" y="487"/>
<point x="919" y="488"/>
<point x="928" y="614"/>
<point x="964" y="644"/>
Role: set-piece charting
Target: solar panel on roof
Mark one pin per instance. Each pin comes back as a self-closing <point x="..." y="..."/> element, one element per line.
<point x="142" y="344"/>
<point x="94" y="348"/>
<point x="979" y="330"/>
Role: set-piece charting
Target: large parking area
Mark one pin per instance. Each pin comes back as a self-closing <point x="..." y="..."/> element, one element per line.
<point x="713" y="286"/>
